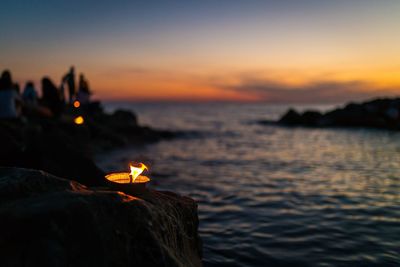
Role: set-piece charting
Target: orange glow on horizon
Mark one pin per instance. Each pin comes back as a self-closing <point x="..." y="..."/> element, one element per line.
<point x="182" y="87"/>
<point x="214" y="83"/>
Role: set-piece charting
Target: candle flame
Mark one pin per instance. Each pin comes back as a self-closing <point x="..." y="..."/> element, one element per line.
<point x="79" y="120"/>
<point x="136" y="171"/>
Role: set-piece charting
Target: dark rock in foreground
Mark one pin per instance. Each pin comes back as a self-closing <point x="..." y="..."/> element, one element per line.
<point x="49" y="221"/>
<point x="379" y="113"/>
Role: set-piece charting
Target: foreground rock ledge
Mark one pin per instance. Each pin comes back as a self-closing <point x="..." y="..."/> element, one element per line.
<point x="49" y="221"/>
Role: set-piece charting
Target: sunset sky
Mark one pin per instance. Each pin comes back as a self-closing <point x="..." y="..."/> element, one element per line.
<point x="274" y="51"/>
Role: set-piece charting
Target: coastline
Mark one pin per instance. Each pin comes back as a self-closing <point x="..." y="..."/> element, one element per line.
<point x="40" y="154"/>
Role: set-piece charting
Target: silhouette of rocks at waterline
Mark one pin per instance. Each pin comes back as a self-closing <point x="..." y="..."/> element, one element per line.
<point x="64" y="148"/>
<point x="379" y="113"/>
<point x="50" y="221"/>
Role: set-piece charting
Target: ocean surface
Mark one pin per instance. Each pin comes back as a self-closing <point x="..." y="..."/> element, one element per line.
<point x="276" y="196"/>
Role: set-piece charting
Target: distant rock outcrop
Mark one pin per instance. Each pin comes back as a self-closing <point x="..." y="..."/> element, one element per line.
<point x="379" y="113"/>
<point x="50" y="221"/>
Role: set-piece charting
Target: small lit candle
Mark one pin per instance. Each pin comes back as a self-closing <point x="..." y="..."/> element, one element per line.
<point x="133" y="177"/>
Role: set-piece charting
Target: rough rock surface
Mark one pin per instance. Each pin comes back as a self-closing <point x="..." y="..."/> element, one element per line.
<point x="50" y="221"/>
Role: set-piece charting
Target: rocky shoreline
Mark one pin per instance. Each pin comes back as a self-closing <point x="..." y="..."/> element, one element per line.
<point x="379" y="113"/>
<point x="63" y="148"/>
<point x="58" y="210"/>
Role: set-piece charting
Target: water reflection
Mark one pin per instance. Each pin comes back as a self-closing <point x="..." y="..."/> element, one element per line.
<point x="271" y="196"/>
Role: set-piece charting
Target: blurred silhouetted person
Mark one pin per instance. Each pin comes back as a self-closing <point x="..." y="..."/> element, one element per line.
<point x="51" y="97"/>
<point x="9" y="98"/>
<point x="18" y="104"/>
<point x="69" y="78"/>
<point x="83" y="95"/>
<point x="29" y="96"/>
<point x="17" y="88"/>
<point x="62" y="92"/>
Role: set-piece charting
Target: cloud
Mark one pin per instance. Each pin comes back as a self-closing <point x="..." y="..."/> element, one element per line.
<point x="312" y="92"/>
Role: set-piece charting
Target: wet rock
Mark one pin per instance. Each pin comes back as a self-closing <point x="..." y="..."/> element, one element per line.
<point x="121" y="128"/>
<point x="59" y="146"/>
<point x="54" y="146"/>
<point x="291" y="117"/>
<point x="378" y="113"/>
<point x="311" y="118"/>
<point x="308" y="118"/>
<point x="124" y="117"/>
<point x="50" y="221"/>
<point x="62" y="155"/>
<point x="11" y="149"/>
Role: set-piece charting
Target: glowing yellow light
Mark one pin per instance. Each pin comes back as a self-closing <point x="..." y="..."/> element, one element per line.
<point x="130" y="178"/>
<point x="136" y="171"/>
<point x="79" y="120"/>
<point x="77" y="104"/>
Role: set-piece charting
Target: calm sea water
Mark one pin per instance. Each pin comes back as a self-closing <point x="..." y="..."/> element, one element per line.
<point x="276" y="196"/>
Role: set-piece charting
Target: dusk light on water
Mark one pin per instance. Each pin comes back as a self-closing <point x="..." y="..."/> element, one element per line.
<point x="200" y="133"/>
